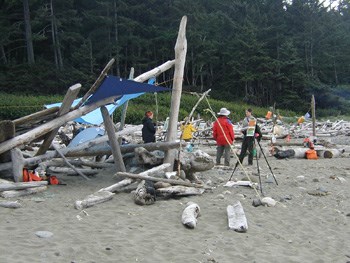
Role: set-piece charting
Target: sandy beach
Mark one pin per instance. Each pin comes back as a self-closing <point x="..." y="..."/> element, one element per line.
<point x="301" y="228"/>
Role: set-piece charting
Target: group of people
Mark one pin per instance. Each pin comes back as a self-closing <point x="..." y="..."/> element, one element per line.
<point x="224" y="136"/>
<point x="223" y="133"/>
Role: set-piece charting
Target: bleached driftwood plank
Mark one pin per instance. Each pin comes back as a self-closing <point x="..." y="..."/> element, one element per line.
<point x="93" y="199"/>
<point x="236" y="217"/>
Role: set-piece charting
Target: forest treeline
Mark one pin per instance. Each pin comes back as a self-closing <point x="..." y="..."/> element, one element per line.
<point x="260" y="52"/>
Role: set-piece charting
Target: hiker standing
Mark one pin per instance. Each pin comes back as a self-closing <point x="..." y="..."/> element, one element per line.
<point x="250" y="131"/>
<point x="187" y="130"/>
<point x="224" y="136"/>
<point x="148" y="129"/>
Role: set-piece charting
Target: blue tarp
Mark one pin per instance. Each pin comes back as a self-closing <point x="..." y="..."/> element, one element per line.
<point x="95" y="117"/>
<point x="86" y="135"/>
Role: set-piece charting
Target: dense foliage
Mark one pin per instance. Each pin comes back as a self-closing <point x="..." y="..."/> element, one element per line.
<point x="259" y="52"/>
<point x="16" y="106"/>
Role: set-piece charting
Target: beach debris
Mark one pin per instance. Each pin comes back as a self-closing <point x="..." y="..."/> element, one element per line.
<point x="241" y="183"/>
<point x="268" y="201"/>
<point x="190" y="215"/>
<point x="43" y="234"/>
<point x="256" y="202"/>
<point x="10" y="204"/>
<point x="145" y="193"/>
<point x="93" y="199"/>
<point x="179" y="190"/>
<point x="319" y="192"/>
<point x="237" y="220"/>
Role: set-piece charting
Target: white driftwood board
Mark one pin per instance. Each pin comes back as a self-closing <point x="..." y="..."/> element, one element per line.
<point x="236" y="217"/>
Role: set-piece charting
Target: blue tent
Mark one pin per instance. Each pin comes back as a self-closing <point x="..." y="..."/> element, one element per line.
<point x="113" y="86"/>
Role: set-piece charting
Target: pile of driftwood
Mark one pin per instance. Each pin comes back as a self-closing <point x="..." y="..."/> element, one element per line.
<point x="36" y="142"/>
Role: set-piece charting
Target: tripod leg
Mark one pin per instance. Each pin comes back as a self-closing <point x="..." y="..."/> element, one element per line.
<point x="233" y="171"/>
<point x="257" y="164"/>
<point x="274" y="177"/>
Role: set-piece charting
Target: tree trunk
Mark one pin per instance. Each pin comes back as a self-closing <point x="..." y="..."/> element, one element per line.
<point x="180" y="59"/>
<point x="28" y="33"/>
<point x="55" y="40"/>
<point x="116" y="37"/>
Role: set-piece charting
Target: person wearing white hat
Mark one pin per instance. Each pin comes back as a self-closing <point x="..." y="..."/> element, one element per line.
<point x="224" y="136"/>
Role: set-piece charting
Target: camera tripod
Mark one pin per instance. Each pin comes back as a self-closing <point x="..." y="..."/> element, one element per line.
<point x="257" y="162"/>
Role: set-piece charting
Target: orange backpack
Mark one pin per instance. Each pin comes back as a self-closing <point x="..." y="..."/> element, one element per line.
<point x="311" y="154"/>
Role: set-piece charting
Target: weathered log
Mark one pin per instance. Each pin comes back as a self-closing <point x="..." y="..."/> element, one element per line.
<point x="128" y="181"/>
<point x="93" y="199"/>
<point x="61" y="162"/>
<point x="154" y="179"/>
<point x="329" y="153"/>
<point x="69" y="171"/>
<point x="70" y="96"/>
<point x="117" y="155"/>
<point x="93" y="151"/>
<point x="180" y="59"/>
<point x="21" y="185"/>
<point x="179" y="190"/>
<point x="36" y="116"/>
<point x="10" y="204"/>
<point x="190" y="215"/>
<point x="237" y="220"/>
<point x="17" y="193"/>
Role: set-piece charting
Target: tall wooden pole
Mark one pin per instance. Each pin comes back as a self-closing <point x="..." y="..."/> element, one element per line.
<point x="180" y="59"/>
<point x="313" y="112"/>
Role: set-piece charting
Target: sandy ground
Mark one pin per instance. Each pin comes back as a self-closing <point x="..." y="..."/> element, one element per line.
<point x="300" y="228"/>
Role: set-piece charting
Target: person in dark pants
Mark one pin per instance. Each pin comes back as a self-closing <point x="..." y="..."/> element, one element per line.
<point x="148" y="129"/>
<point x="251" y="131"/>
<point x="224" y="136"/>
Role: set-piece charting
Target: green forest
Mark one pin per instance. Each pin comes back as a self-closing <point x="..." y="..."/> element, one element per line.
<point x="261" y="52"/>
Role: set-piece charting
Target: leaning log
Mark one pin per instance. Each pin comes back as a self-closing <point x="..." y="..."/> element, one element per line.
<point x="18" y="193"/>
<point x="93" y="199"/>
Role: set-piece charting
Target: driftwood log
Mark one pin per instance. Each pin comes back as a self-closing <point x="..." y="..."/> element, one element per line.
<point x="21" y="185"/>
<point x="180" y="59"/>
<point x="10" y="204"/>
<point x="93" y="199"/>
<point x="179" y="190"/>
<point x="155" y="179"/>
<point x="17" y="193"/>
<point x="190" y="215"/>
<point x="144" y="156"/>
<point x="237" y="220"/>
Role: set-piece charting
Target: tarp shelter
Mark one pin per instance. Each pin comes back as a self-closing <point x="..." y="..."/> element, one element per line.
<point x="86" y="135"/>
<point x="113" y="86"/>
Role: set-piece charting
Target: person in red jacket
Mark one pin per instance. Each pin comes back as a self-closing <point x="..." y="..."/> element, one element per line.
<point x="224" y="136"/>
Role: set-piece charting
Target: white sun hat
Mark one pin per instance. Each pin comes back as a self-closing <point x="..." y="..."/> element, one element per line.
<point x="224" y="111"/>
